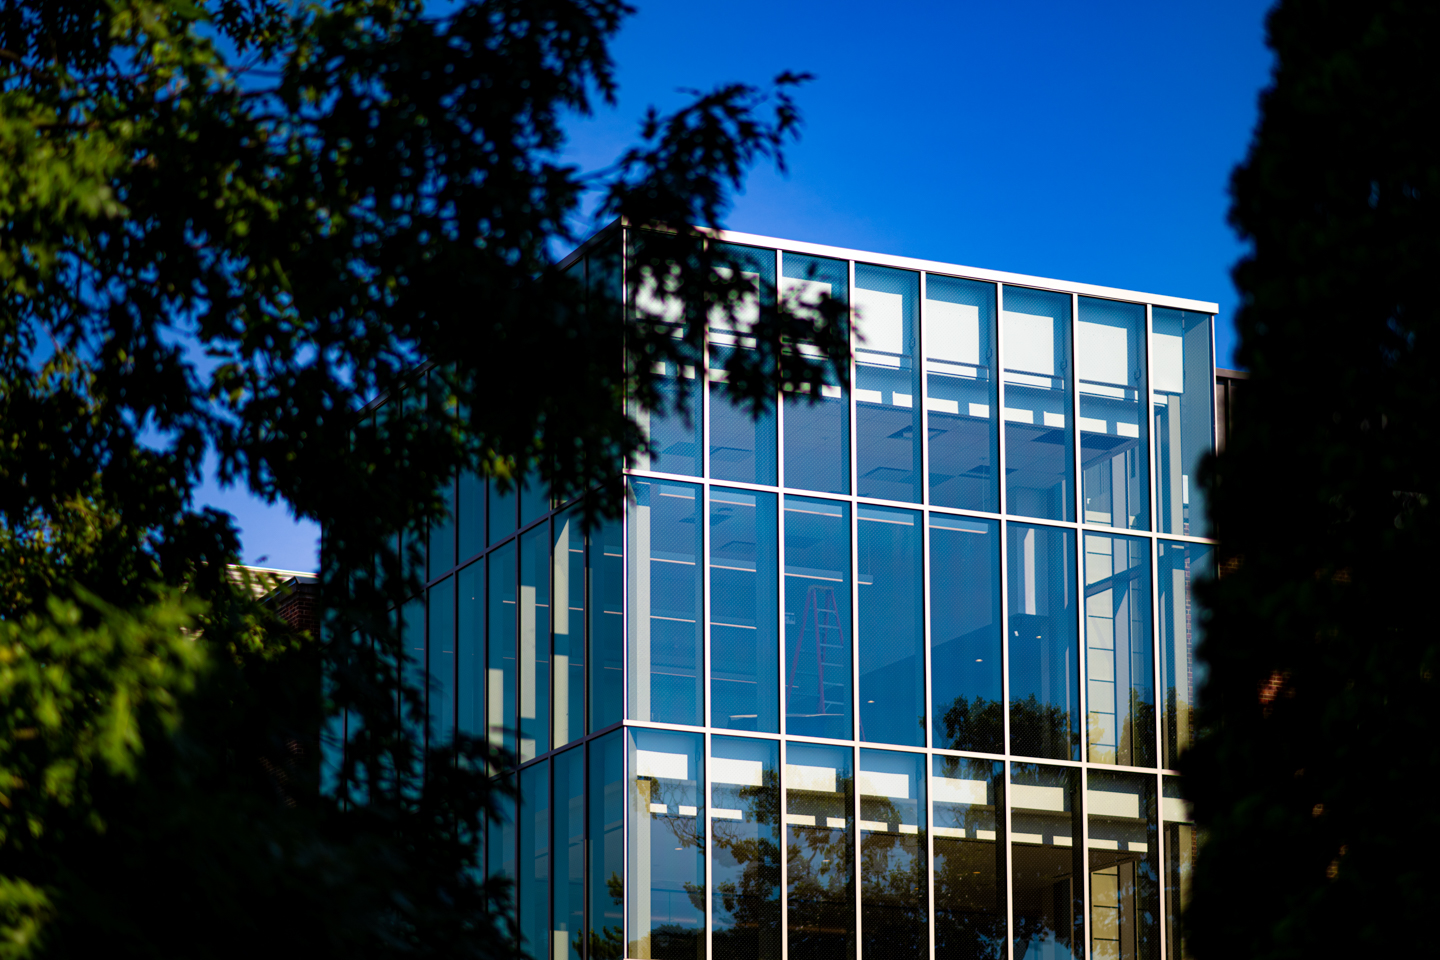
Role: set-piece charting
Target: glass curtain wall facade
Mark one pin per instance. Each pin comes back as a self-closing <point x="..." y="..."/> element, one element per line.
<point x="902" y="669"/>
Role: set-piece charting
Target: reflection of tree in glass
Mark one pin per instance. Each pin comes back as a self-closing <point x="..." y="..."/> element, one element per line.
<point x="892" y="883"/>
<point x="822" y="920"/>
<point x="753" y="904"/>
<point x="977" y="724"/>
<point x="1043" y="729"/>
<point x="969" y="892"/>
<point x="675" y="941"/>
<point x="606" y="943"/>
<point x="1180" y="717"/>
<point x="1137" y="735"/>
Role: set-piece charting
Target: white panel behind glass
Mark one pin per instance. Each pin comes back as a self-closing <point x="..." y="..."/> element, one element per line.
<point x="1029" y="343"/>
<point x="880" y="319"/>
<point x="1167" y="354"/>
<point x="1102" y="352"/>
<point x="952" y="332"/>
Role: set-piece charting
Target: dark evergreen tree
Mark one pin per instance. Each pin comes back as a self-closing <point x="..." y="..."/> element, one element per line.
<point x="1320" y="721"/>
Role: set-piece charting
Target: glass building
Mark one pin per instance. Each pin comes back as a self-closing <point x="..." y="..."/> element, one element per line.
<point x="899" y="670"/>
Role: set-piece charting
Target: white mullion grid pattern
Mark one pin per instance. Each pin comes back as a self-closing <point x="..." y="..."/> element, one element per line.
<point x="706" y="810"/>
<point x="704" y="522"/>
<point x="965" y="272"/>
<point x="1213" y="386"/>
<point x="856" y="853"/>
<point x="780" y="560"/>
<point x="855" y="728"/>
<point x="1082" y="666"/>
<point x="856" y="743"/>
<point x="850" y="388"/>
<point x="1084" y="841"/>
<point x="782" y="705"/>
<point x="1003" y="836"/>
<point x="1158" y="653"/>
<point x="625" y="780"/>
<point x="784" y="828"/>
<point x="923" y="395"/>
<point x="1003" y="815"/>
<point x="879" y="502"/>
<point x="923" y="398"/>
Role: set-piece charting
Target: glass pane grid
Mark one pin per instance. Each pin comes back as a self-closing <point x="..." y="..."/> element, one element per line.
<point x="1081" y="615"/>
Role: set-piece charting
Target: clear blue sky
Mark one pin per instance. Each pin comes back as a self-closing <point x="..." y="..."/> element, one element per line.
<point x="1088" y="142"/>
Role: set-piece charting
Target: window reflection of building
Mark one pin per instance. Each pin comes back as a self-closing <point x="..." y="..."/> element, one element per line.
<point x="818" y="692"/>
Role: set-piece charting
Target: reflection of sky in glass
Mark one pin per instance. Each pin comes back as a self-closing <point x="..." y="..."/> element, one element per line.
<point x="887" y="383"/>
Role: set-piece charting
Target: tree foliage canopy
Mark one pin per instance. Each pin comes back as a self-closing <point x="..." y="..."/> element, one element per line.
<point x="1321" y="711"/>
<point x="225" y="227"/>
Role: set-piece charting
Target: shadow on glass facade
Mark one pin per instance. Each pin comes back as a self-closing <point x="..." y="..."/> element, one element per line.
<point x="900" y="669"/>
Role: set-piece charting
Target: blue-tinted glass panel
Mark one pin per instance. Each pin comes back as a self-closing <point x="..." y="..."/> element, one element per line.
<point x="817" y="429"/>
<point x="744" y="615"/>
<point x="502" y="845"/>
<point x="1048" y="862"/>
<point x="891" y="626"/>
<point x="887" y="383"/>
<point x="607" y="846"/>
<point x="1119" y="658"/>
<point x="568" y="624"/>
<point x="442" y="535"/>
<point x="605" y="559"/>
<point x="470" y="677"/>
<point x="504" y="512"/>
<point x="1110" y="369"/>
<point x="534" y="642"/>
<point x="441" y="661"/>
<point x="534" y="881"/>
<point x="1183" y="385"/>
<point x="960" y="380"/>
<point x="1124" y="864"/>
<point x="1044" y="659"/>
<point x="742" y="447"/>
<point x="471" y="514"/>
<point x="667" y="845"/>
<point x="675" y="435"/>
<point x="501" y="687"/>
<point x="820" y="851"/>
<point x="666" y="585"/>
<point x="1039" y="446"/>
<point x="965" y="634"/>
<point x="745" y="845"/>
<point x="894" y="863"/>
<point x="675" y="427"/>
<point x="817" y="618"/>
<point x="412" y="637"/>
<point x="969" y="798"/>
<point x="1181" y="674"/>
<point x="568" y="844"/>
<point x="534" y="498"/>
